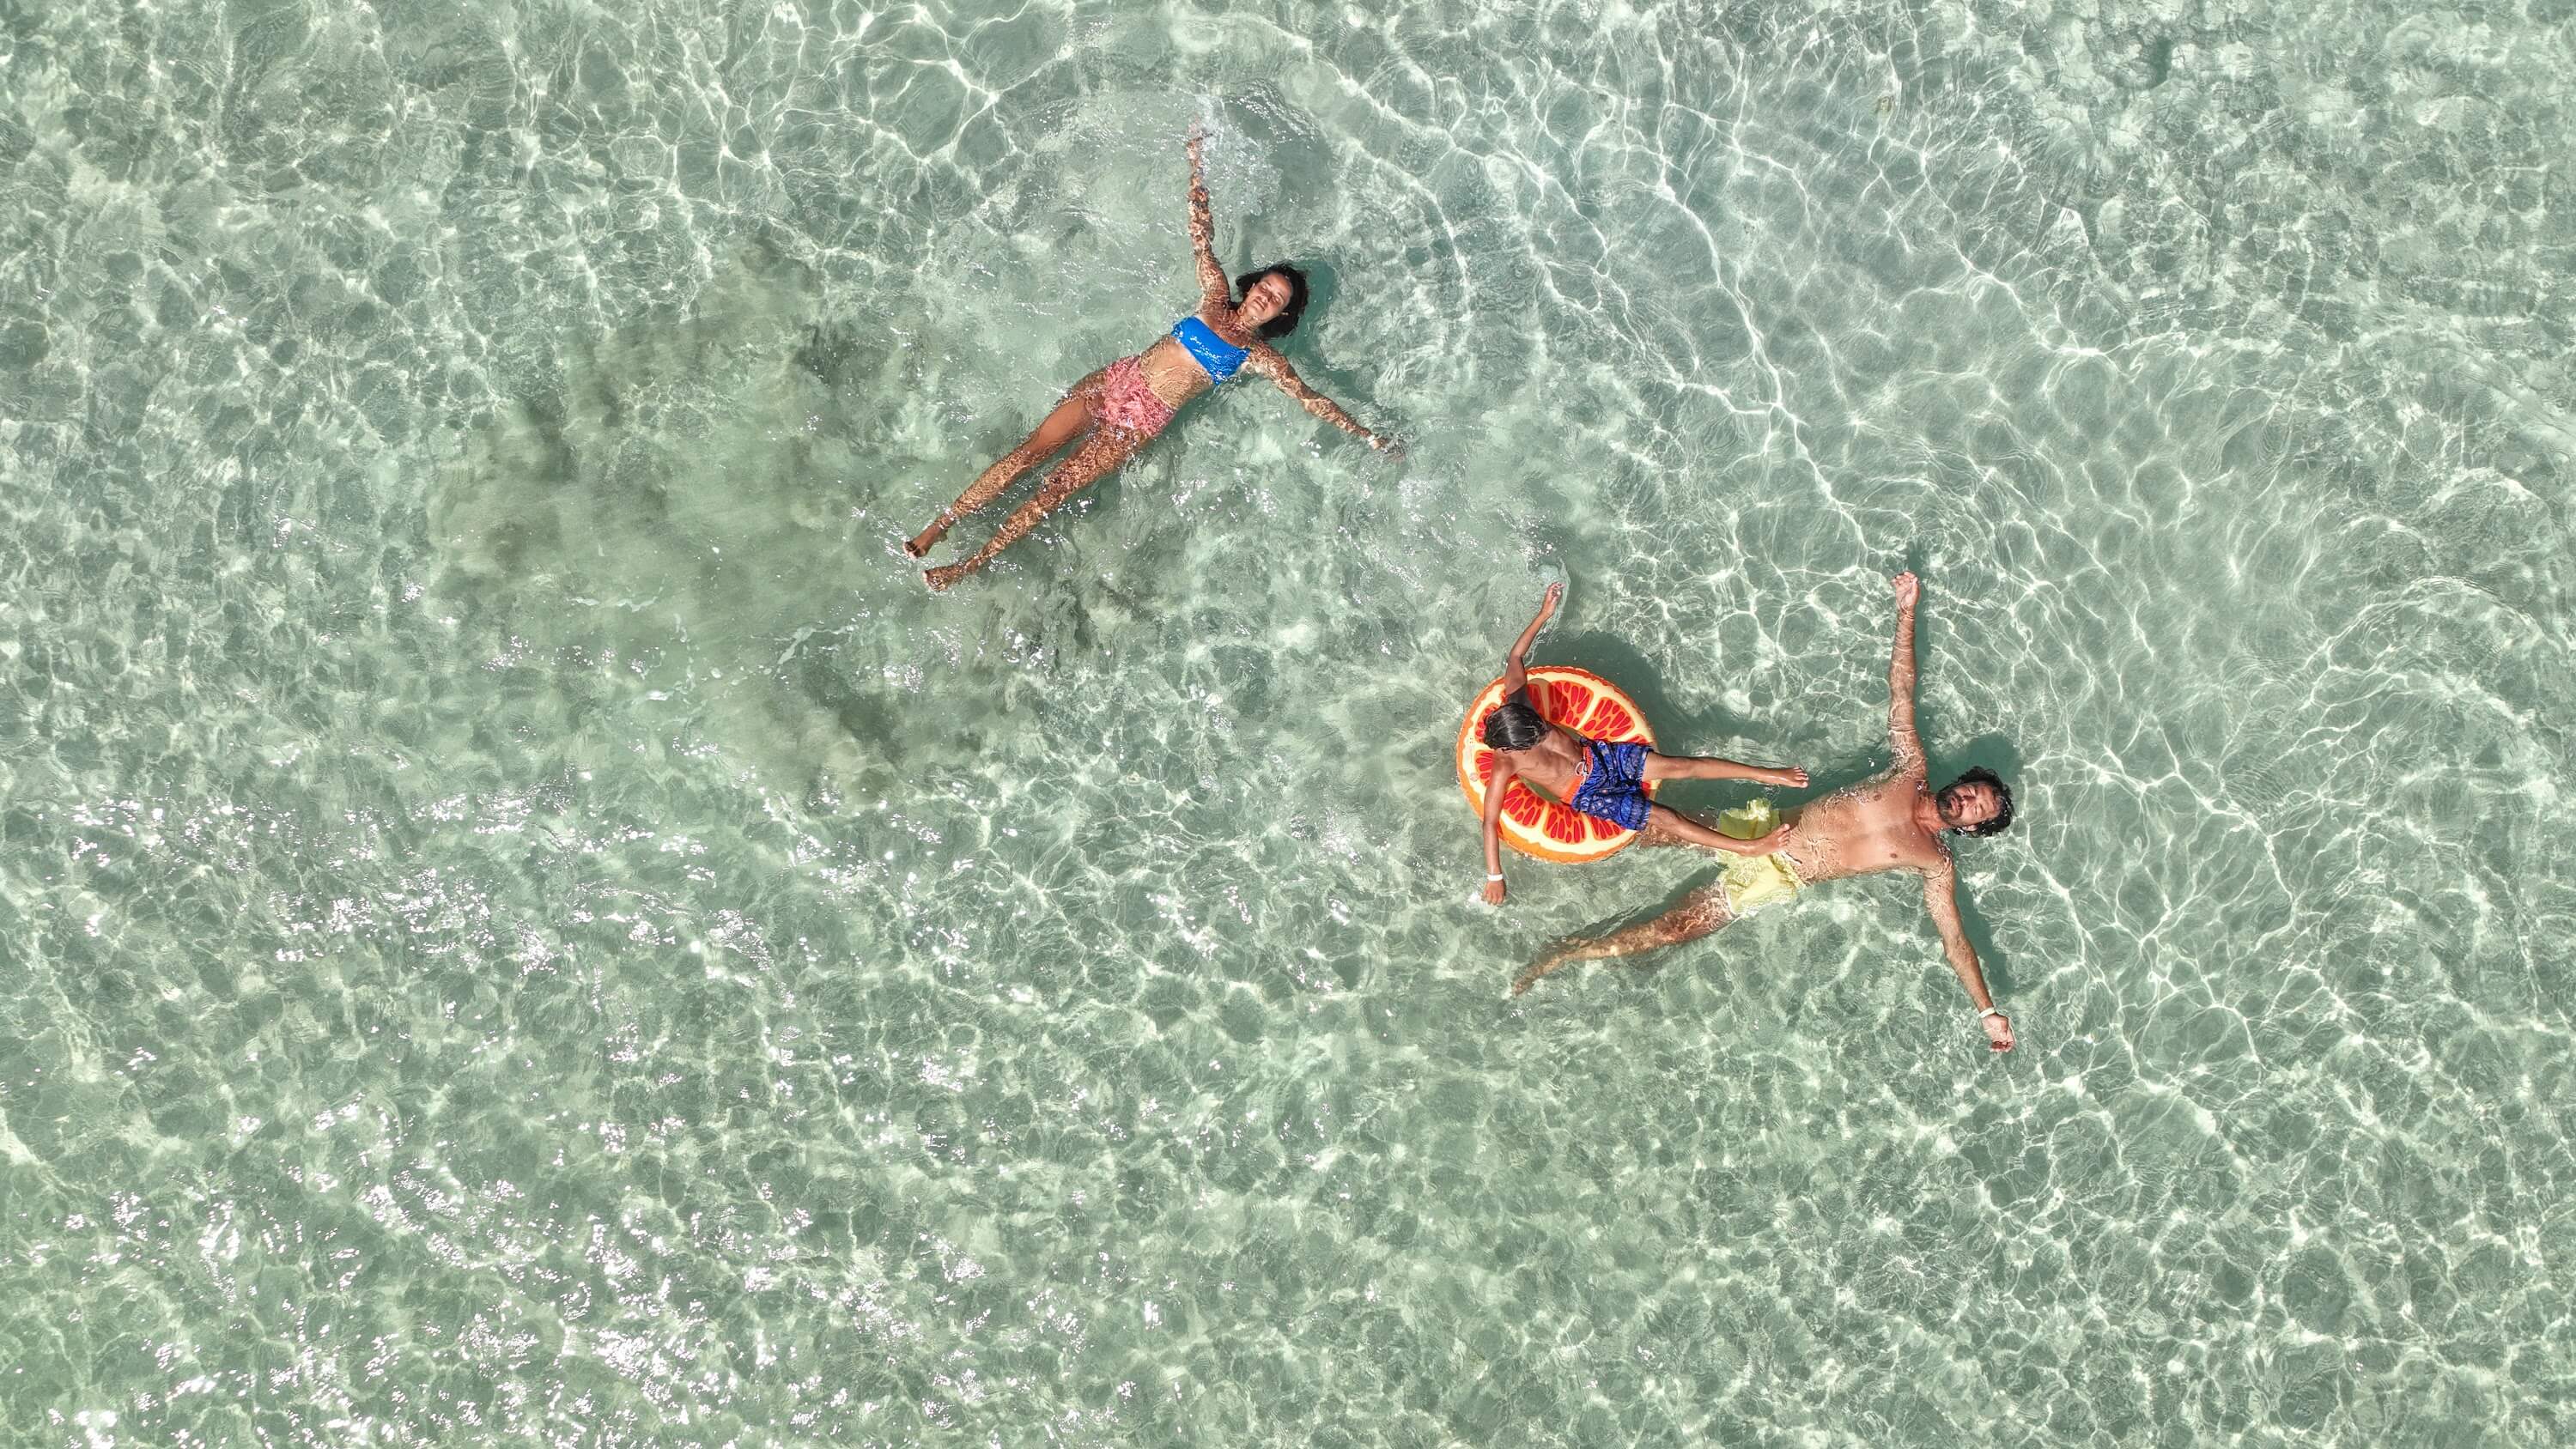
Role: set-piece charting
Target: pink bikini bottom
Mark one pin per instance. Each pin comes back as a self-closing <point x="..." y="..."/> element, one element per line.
<point x="1126" y="402"/>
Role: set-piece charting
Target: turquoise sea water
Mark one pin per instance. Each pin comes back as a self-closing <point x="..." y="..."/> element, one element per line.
<point x="523" y="922"/>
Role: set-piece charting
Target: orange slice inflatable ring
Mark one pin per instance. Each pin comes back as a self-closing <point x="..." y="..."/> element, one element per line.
<point x="1532" y="824"/>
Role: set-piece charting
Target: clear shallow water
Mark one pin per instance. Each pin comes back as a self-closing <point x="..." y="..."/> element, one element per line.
<point x="525" y="922"/>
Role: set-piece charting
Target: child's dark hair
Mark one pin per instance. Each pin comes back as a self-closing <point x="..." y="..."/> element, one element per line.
<point x="1286" y="321"/>
<point x="1514" y="726"/>
<point x="2002" y="817"/>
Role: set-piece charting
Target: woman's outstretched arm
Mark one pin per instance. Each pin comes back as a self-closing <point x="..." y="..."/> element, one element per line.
<point x="1266" y="360"/>
<point x="1213" y="289"/>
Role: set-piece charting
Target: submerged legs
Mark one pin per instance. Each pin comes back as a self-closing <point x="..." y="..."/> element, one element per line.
<point x="1059" y="428"/>
<point x="1099" y="456"/>
<point x="1702" y="911"/>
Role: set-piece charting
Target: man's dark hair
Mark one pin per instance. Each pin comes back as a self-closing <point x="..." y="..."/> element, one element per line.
<point x="1514" y="726"/>
<point x="1286" y="321"/>
<point x="2003" y="800"/>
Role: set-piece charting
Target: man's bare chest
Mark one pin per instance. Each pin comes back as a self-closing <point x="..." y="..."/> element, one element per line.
<point x="1863" y="834"/>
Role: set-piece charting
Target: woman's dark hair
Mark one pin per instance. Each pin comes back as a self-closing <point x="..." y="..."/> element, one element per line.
<point x="1994" y="825"/>
<point x="1514" y="726"/>
<point x="1286" y="321"/>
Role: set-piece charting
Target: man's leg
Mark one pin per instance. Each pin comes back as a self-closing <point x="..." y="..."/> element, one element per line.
<point x="1702" y="911"/>
<point x="1710" y="767"/>
<point x="1655" y="834"/>
<point x="1668" y="826"/>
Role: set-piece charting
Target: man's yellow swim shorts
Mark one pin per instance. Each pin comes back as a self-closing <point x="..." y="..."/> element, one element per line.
<point x="1755" y="881"/>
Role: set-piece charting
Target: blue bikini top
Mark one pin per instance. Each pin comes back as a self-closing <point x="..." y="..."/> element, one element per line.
<point x="1218" y="357"/>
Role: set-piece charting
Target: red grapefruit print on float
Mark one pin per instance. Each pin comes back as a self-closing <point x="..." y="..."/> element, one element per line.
<point x="1532" y="824"/>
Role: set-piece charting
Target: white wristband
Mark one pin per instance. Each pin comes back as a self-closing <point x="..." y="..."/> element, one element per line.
<point x="1496" y="875"/>
<point x="1989" y="1011"/>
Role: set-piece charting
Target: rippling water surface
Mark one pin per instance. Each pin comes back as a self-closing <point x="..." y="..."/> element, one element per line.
<point x="524" y="922"/>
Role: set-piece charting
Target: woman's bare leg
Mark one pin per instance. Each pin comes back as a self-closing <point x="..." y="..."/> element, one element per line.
<point x="1702" y="911"/>
<point x="1098" y="457"/>
<point x="1061" y="426"/>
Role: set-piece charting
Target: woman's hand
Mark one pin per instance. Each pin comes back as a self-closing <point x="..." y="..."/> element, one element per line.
<point x="1391" y="447"/>
<point x="1494" y="893"/>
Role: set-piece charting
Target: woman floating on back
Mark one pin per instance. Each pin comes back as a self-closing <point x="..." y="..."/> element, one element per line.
<point x="1117" y="409"/>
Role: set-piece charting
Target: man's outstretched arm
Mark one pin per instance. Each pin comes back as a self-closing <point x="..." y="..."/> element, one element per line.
<point x="1900" y="680"/>
<point x="1941" y="898"/>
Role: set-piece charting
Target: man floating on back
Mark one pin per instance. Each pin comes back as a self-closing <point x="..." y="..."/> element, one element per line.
<point x="1894" y="821"/>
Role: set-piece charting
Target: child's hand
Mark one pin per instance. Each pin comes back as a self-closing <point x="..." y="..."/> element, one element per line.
<point x="1494" y="893"/>
<point x="1548" y="601"/>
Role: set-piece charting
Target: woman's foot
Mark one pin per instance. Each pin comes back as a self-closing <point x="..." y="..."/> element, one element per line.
<point x="941" y="577"/>
<point x="926" y="540"/>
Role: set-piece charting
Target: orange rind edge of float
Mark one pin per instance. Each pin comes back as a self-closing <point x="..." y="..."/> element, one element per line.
<point x="1531" y="823"/>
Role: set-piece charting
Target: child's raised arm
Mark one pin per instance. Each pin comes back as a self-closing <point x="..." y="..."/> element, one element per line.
<point x="1515" y="675"/>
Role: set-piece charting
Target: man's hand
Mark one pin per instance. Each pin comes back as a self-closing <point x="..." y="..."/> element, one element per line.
<point x="1494" y="893"/>
<point x="1999" y="1036"/>
<point x="1908" y="589"/>
<point x="1391" y="447"/>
